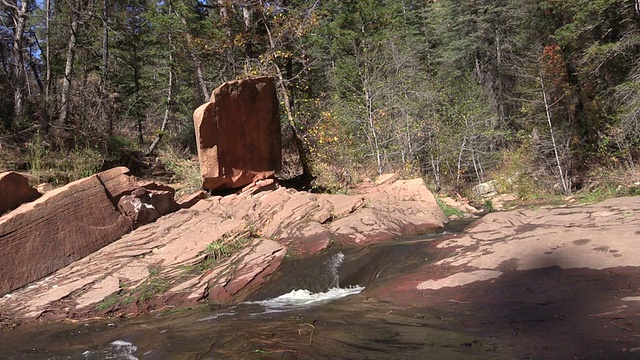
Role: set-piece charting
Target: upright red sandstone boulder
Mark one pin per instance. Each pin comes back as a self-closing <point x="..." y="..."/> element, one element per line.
<point x="238" y="134"/>
<point x="15" y="191"/>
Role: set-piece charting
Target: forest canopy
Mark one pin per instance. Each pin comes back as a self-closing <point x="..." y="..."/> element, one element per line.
<point x="542" y="94"/>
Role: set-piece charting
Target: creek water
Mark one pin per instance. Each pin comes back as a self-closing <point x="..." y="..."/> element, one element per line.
<point x="318" y="308"/>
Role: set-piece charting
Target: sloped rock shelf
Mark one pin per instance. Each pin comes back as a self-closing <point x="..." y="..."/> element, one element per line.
<point x="313" y="308"/>
<point x="550" y="283"/>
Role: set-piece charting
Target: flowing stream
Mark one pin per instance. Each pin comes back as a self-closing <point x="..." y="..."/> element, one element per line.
<point x="316" y="308"/>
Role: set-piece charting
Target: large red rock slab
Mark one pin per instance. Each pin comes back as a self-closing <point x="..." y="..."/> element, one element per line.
<point x="366" y="226"/>
<point x="307" y="238"/>
<point x="60" y="227"/>
<point x="400" y="208"/>
<point x="15" y="191"/>
<point x="257" y="264"/>
<point x="238" y="134"/>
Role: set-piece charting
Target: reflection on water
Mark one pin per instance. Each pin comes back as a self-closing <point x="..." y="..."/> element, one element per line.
<point x="311" y="309"/>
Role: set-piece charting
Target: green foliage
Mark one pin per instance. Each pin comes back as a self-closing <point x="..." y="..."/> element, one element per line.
<point x="109" y="302"/>
<point x="608" y="182"/>
<point x="598" y="194"/>
<point x="151" y="288"/>
<point x="437" y="89"/>
<point x="223" y="248"/>
<point x="37" y="153"/>
<point x="187" y="171"/>
<point x="218" y="250"/>
<point x="81" y="163"/>
<point x="488" y="206"/>
<point x="448" y="210"/>
<point x="519" y="173"/>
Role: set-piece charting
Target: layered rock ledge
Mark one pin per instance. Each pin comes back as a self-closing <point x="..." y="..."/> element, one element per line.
<point x="221" y="249"/>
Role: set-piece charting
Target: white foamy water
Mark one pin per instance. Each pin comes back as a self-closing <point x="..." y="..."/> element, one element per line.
<point x="215" y="316"/>
<point x="302" y="299"/>
<point x="118" y="349"/>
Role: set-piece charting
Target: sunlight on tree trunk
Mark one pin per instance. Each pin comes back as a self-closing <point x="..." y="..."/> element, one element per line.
<point x="68" y="69"/>
<point x="565" y="183"/>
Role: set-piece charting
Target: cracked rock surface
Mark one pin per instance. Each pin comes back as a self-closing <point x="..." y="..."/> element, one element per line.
<point x="221" y="250"/>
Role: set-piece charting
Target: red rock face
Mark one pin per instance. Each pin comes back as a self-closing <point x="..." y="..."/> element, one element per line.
<point x="238" y="134"/>
<point x="15" y="191"/>
<point x="60" y="227"/>
<point x="147" y="203"/>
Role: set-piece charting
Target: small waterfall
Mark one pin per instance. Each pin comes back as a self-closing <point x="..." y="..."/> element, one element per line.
<point x="333" y="265"/>
<point x="303" y="298"/>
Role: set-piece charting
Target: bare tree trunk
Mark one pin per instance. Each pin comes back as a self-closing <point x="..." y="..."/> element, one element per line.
<point x="565" y="186"/>
<point x="459" y="173"/>
<point x="20" y="16"/>
<point x="372" y="128"/>
<point x="224" y="14"/>
<point x="106" y="119"/>
<point x="435" y="166"/>
<point x="36" y="76"/>
<point x="302" y="154"/>
<point x="246" y="16"/>
<point x="68" y="70"/>
<point x="3" y="60"/>
<point x="476" y="165"/>
<point x="196" y="61"/>
<point x="47" y="86"/>
<point x="169" y="108"/>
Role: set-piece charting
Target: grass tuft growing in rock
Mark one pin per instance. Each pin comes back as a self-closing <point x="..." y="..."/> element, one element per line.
<point x="447" y="209"/>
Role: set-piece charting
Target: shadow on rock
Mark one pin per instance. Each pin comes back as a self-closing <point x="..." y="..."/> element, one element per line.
<point x="550" y="312"/>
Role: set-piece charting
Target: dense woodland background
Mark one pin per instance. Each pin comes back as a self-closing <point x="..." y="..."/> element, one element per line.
<point x="543" y="96"/>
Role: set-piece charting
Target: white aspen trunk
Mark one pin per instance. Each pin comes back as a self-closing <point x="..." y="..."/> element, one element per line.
<point x="246" y="16"/>
<point x="563" y="180"/>
<point x="196" y="61"/>
<point x="68" y="70"/>
<point x="224" y="14"/>
<point x="372" y="128"/>
<point x="20" y="18"/>
<point x="435" y="165"/>
<point x="464" y="142"/>
<point x="47" y="87"/>
<point x="476" y="166"/>
<point x="105" y="70"/>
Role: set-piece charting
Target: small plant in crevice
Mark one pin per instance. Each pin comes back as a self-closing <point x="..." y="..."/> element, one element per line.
<point x="488" y="206"/>
<point x="218" y="250"/>
<point x="153" y="287"/>
<point x="224" y="248"/>
<point x="448" y="210"/>
<point x="109" y="302"/>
